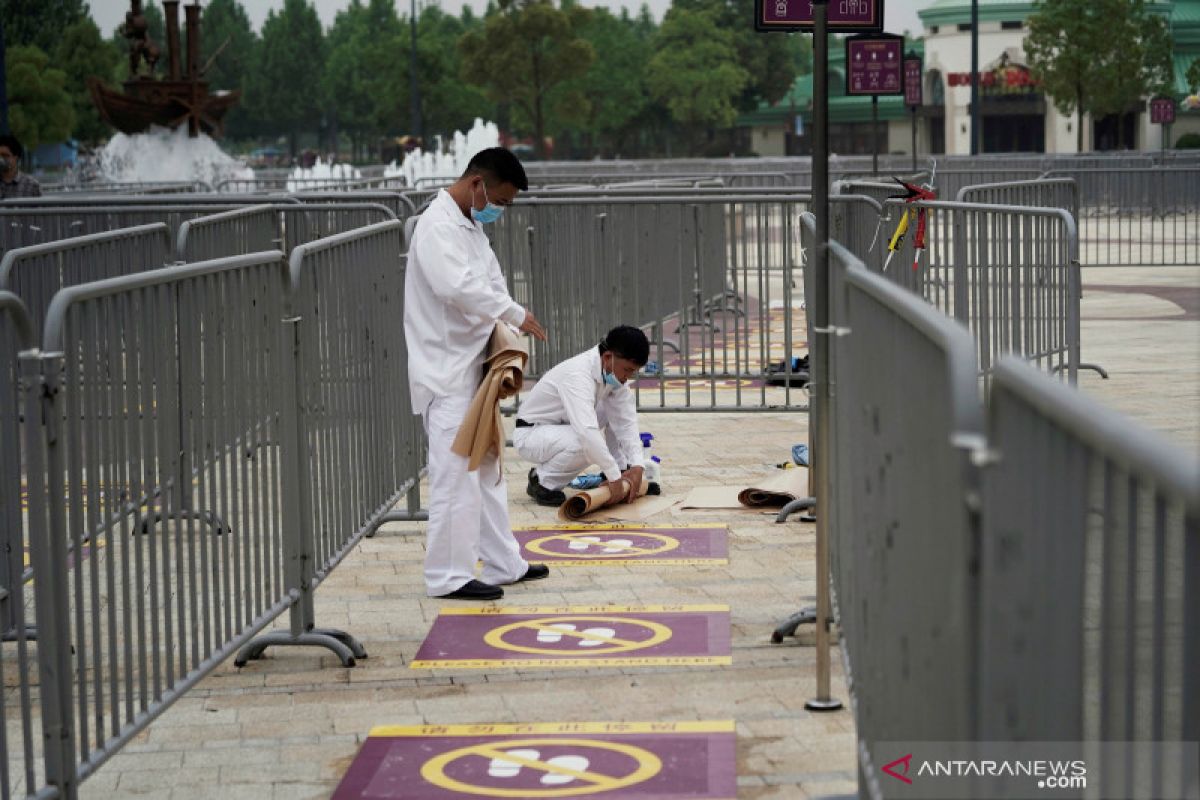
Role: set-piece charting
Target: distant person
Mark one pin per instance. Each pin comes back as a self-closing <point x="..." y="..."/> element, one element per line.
<point x="582" y="412"/>
<point x="13" y="182"/>
<point x="454" y="296"/>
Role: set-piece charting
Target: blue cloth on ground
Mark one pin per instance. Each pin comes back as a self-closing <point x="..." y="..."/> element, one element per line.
<point x="584" y="482"/>
<point x="800" y="454"/>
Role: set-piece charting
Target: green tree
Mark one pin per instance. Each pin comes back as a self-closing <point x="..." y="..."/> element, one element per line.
<point x="285" y="89"/>
<point x="527" y="55"/>
<point x="226" y="33"/>
<point x="448" y="101"/>
<point x="39" y="22"/>
<point x="1140" y="67"/>
<point x="39" y="104"/>
<point x="615" y="82"/>
<point x="1061" y="47"/>
<point x="81" y="54"/>
<point x="695" y="71"/>
<point x="359" y="82"/>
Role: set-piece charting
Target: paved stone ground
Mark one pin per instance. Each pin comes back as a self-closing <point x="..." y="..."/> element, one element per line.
<point x="289" y="725"/>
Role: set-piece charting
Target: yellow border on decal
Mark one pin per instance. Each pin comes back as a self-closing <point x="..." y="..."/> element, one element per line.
<point x="585" y="663"/>
<point x="665" y="545"/>
<point x="621" y="526"/>
<point x="715" y="561"/>
<point x="496" y="611"/>
<point x="539" y="728"/>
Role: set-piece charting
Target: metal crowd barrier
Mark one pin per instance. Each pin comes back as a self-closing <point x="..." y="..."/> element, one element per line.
<point x="710" y="277"/>
<point x="21" y="227"/>
<point x="1089" y="580"/>
<point x="282" y="226"/>
<point x="35" y="272"/>
<point x="400" y="205"/>
<point x="1138" y="217"/>
<point x="358" y="450"/>
<point x="244" y="230"/>
<point x="1042" y="193"/>
<point x="1009" y="273"/>
<point x="1034" y="578"/>
<point x="286" y="183"/>
<point x="127" y="187"/>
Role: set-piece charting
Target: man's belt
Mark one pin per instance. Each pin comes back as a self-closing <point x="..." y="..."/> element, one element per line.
<point x="523" y="424"/>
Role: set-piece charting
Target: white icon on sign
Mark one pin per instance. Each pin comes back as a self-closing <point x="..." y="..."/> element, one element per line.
<point x="503" y="768"/>
<point x="781" y="8"/>
<point x="612" y="546"/>
<point x="594" y="637"/>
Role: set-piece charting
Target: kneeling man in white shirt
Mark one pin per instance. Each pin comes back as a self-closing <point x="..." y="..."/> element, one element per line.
<point x="582" y="412"/>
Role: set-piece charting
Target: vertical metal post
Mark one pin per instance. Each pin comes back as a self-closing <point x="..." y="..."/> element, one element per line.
<point x="820" y="406"/>
<point x="414" y="94"/>
<point x="874" y="134"/>
<point x="914" y="139"/>
<point x="975" y="77"/>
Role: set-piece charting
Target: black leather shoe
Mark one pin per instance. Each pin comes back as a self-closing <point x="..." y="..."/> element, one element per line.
<point x="541" y="495"/>
<point x="535" y="573"/>
<point x="475" y="590"/>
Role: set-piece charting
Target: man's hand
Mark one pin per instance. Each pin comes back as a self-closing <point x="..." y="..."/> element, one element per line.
<point x="532" y="326"/>
<point x="634" y="476"/>
<point x="619" y="489"/>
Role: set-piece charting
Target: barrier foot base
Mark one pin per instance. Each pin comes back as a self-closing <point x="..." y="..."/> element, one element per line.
<point x="796" y="505"/>
<point x="823" y="704"/>
<point x="420" y="515"/>
<point x="14" y="634"/>
<point x="1096" y="368"/>
<point x="342" y="644"/>
<point x="788" y="626"/>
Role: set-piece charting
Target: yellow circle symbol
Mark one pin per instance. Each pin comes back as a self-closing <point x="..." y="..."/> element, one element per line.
<point x="666" y="544"/>
<point x="604" y="645"/>
<point x="648" y="765"/>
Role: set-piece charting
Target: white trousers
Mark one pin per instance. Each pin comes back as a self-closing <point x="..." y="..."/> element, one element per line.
<point x="557" y="451"/>
<point x="468" y="511"/>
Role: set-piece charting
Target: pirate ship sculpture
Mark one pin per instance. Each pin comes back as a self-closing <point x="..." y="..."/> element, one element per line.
<point x="181" y="97"/>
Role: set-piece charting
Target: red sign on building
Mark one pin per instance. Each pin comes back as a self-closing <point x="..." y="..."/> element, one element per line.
<point x="912" y="80"/>
<point x="1162" y="110"/>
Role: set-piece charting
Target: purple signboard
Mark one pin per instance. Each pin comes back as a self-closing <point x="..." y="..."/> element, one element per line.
<point x="587" y="545"/>
<point x="912" y="80"/>
<point x="843" y="16"/>
<point x="1162" y="110"/>
<point x="874" y="65"/>
<point x="620" y="760"/>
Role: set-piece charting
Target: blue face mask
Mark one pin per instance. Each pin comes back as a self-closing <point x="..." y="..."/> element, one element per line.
<point x="489" y="213"/>
<point x="611" y="380"/>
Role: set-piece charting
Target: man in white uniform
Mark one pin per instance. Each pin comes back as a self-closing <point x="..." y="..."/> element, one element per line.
<point x="582" y="412"/>
<point x="454" y="294"/>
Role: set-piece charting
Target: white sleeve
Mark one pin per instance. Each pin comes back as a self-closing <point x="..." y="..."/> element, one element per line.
<point x="497" y="278"/>
<point x="622" y="418"/>
<point x="444" y="260"/>
<point x="578" y="399"/>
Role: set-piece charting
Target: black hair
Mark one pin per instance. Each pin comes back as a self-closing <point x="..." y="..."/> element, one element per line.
<point x="12" y="143"/>
<point x="498" y="165"/>
<point x="627" y="342"/>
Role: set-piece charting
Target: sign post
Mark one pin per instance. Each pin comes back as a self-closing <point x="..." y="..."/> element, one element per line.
<point x="1162" y="112"/>
<point x="821" y="17"/>
<point x="913" y="74"/>
<point x="874" y="66"/>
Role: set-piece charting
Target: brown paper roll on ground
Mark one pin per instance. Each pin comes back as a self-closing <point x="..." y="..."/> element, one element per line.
<point x="584" y="503"/>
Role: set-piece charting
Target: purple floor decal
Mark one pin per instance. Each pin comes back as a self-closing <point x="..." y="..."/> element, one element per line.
<point x="614" y="760"/>
<point x="608" y="545"/>
<point x="577" y="636"/>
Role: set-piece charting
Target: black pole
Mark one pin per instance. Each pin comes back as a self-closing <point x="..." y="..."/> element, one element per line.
<point x="414" y="92"/>
<point x="819" y="351"/>
<point x="914" y="138"/>
<point x="874" y="134"/>
<point x="3" y="83"/>
<point x="975" y="77"/>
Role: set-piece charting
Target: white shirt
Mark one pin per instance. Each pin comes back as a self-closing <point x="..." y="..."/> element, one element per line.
<point x="574" y="393"/>
<point x="453" y="295"/>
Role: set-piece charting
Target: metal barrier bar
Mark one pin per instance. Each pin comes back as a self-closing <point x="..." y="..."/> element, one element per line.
<point x="287" y="183"/>
<point x="1009" y="273"/>
<point x="1136" y="217"/>
<point x="1041" y="193"/>
<point x="1090" y="582"/>
<point x="358" y="451"/>
<point x="400" y="206"/>
<point x="711" y="277"/>
<point x="36" y="272"/>
<point x="22" y="732"/>
<point x="142" y="600"/>
<point x="243" y="230"/>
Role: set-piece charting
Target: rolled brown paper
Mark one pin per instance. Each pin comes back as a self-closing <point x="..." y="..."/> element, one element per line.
<point x="584" y="503"/>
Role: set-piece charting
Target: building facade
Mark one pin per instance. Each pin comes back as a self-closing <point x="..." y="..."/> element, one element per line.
<point x="1015" y="115"/>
